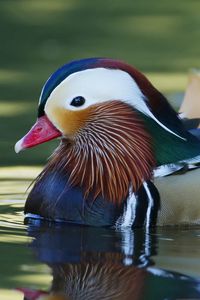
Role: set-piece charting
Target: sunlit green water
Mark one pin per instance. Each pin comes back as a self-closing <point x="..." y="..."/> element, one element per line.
<point x="31" y="257"/>
<point x="18" y="266"/>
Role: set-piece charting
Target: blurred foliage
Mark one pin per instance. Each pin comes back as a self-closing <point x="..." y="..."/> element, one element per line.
<point x="161" y="38"/>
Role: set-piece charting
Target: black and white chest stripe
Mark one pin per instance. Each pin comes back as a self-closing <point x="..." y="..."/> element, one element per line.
<point x="141" y="208"/>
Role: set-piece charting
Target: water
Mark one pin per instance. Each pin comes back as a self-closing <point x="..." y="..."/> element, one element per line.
<point x="73" y="262"/>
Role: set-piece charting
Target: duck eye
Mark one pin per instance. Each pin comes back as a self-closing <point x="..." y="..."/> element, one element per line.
<point x="78" y="101"/>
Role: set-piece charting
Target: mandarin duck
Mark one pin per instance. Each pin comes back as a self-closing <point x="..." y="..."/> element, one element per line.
<point x="117" y="132"/>
<point x="180" y="192"/>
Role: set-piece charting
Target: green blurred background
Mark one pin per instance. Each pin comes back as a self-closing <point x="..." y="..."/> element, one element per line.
<point x="161" y="38"/>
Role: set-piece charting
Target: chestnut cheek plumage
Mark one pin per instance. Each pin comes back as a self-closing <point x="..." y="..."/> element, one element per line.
<point x="115" y="129"/>
<point x="109" y="153"/>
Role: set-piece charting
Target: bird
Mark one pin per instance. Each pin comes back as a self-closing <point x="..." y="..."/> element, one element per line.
<point x="118" y="133"/>
<point x="180" y="202"/>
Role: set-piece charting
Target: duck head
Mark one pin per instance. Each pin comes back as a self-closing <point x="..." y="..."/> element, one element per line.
<point x="107" y="114"/>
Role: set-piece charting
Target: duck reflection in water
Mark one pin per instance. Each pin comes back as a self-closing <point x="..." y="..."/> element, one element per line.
<point x="101" y="263"/>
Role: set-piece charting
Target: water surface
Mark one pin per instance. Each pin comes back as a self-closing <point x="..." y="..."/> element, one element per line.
<point x="91" y="263"/>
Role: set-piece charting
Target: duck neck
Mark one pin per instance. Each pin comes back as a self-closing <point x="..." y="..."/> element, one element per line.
<point x="111" y="153"/>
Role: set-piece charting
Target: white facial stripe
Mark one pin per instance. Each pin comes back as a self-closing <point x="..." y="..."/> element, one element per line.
<point x="163" y="126"/>
<point x="100" y="85"/>
<point x="97" y="86"/>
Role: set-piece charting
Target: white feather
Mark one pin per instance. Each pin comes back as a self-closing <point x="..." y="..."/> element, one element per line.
<point x="128" y="217"/>
<point x="150" y="204"/>
<point x="97" y="86"/>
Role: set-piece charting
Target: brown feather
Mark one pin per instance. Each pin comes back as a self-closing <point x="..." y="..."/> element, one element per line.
<point x="110" y="153"/>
